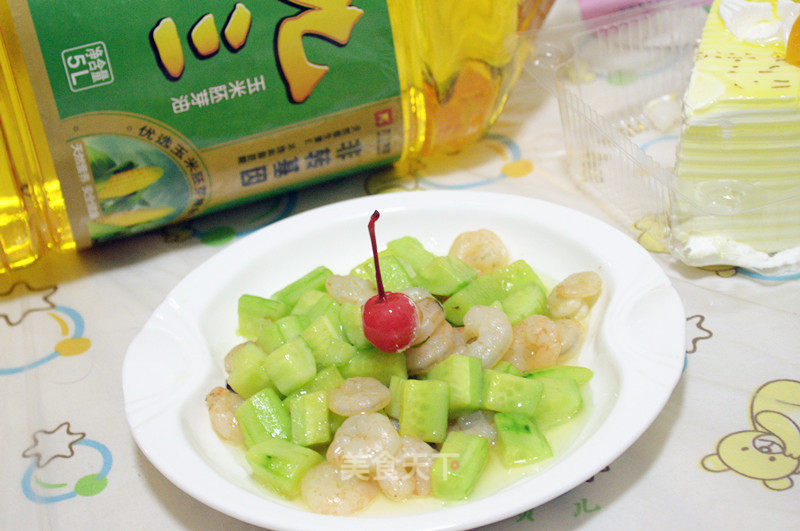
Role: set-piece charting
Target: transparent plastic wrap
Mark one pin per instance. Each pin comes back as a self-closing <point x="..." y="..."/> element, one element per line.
<point x="620" y="81"/>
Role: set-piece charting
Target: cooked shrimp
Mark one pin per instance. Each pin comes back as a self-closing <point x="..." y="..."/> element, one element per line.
<point x="488" y="334"/>
<point x="478" y="423"/>
<point x="536" y="343"/>
<point x="481" y="249"/>
<point x="436" y="348"/>
<point x="409" y="472"/>
<point x="328" y="490"/>
<point x="570" y="331"/>
<point x="349" y="288"/>
<point x="222" y="405"/>
<point x="361" y="439"/>
<point x="359" y="394"/>
<point x="573" y="297"/>
<point x="430" y="313"/>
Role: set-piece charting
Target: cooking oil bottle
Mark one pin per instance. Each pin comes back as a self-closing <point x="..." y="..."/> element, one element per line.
<point x="122" y="119"/>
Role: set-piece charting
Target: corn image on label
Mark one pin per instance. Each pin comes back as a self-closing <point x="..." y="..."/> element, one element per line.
<point x="156" y="111"/>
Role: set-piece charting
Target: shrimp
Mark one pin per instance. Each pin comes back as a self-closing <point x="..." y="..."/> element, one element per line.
<point x="436" y="348"/>
<point x="477" y="423"/>
<point x="232" y="354"/>
<point x="409" y="473"/>
<point x="328" y="490"/>
<point x="349" y="288"/>
<point x="481" y="249"/>
<point x="359" y="394"/>
<point x="573" y="297"/>
<point x="222" y="405"/>
<point x="539" y="341"/>
<point x="361" y="439"/>
<point x="488" y="334"/>
<point x="430" y="313"/>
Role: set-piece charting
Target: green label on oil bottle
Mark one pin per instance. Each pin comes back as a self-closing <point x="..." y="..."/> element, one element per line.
<point x="167" y="110"/>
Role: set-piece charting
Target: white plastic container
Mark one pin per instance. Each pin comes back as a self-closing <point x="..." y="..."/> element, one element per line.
<point x="619" y="80"/>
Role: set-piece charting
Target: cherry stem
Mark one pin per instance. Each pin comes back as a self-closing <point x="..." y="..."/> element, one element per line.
<point x="378" y="280"/>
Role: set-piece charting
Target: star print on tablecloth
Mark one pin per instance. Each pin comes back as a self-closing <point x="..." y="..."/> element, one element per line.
<point x="22" y="299"/>
<point x="47" y="445"/>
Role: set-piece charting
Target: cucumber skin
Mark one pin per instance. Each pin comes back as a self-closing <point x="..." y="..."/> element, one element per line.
<point x="561" y="401"/>
<point x="464" y="376"/>
<point x="325" y="380"/>
<point x="254" y="312"/>
<point x="248" y="376"/>
<point x="519" y="440"/>
<point x="309" y="418"/>
<point x="291" y="366"/>
<point x="445" y="275"/>
<point x="396" y="390"/>
<point x="410" y="250"/>
<point x="424" y="410"/>
<point x="271" y="417"/>
<point x="581" y="375"/>
<point x="281" y="465"/>
<point x="314" y="279"/>
<point x="471" y="452"/>
<point x="376" y="364"/>
<point x="496" y="396"/>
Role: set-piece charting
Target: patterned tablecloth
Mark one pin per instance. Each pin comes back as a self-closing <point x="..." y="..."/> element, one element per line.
<point x="68" y="460"/>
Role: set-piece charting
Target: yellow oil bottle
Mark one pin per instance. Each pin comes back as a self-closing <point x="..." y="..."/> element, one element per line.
<point x="120" y="120"/>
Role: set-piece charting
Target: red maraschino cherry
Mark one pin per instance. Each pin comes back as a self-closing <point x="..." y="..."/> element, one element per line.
<point x="389" y="318"/>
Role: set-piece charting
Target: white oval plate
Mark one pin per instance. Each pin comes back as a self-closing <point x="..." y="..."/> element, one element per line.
<point x="635" y="345"/>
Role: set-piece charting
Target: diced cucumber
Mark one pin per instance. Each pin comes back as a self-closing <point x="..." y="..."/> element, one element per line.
<point x="395" y="274"/>
<point x="279" y="332"/>
<point x="519" y="440"/>
<point x="525" y="301"/>
<point x="561" y="400"/>
<point x="411" y="251"/>
<point x="255" y="312"/>
<point x="464" y="376"/>
<point x="280" y="464"/>
<point x="325" y="338"/>
<point x="489" y="288"/>
<point x="248" y="375"/>
<point x="379" y="365"/>
<point x="314" y="279"/>
<point x="307" y="301"/>
<point x="325" y="380"/>
<point x="444" y="275"/>
<point x="581" y="375"/>
<point x="353" y="325"/>
<point x="423" y="410"/>
<point x="459" y="465"/>
<point x="309" y="414"/>
<point x="291" y="366"/>
<point x="507" y="393"/>
<point x="396" y="390"/>
<point x="504" y="366"/>
<point x="263" y="416"/>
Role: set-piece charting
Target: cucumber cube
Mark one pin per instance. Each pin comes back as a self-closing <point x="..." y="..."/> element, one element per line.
<point x="395" y="273"/>
<point x="280" y="464"/>
<point x="248" y="376"/>
<point x="581" y="375"/>
<point x="263" y="416"/>
<point x="255" y="312"/>
<point x="489" y="288"/>
<point x="525" y="301"/>
<point x="309" y="414"/>
<point x="561" y="401"/>
<point x="279" y="332"/>
<point x="325" y="380"/>
<point x="314" y="279"/>
<point x="444" y="275"/>
<point x="459" y="465"/>
<point x="464" y="376"/>
<point x="353" y="325"/>
<point x="423" y="410"/>
<point x="324" y="337"/>
<point x="396" y="390"/>
<point x="411" y="251"/>
<point x="519" y="440"/>
<point x="506" y="393"/>
<point x="376" y="364"/>
<point x="291" y="366"/>
<point x="308" y="299"/>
